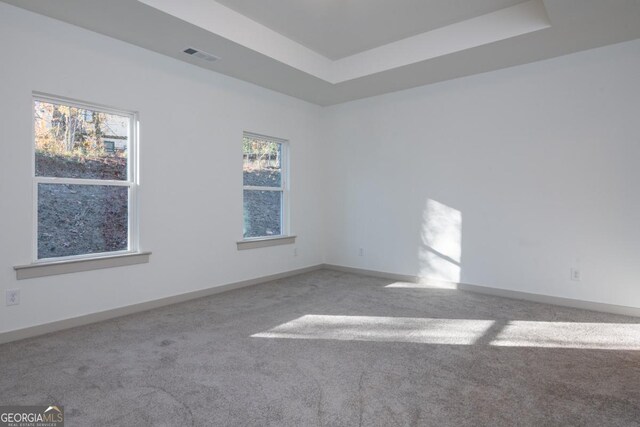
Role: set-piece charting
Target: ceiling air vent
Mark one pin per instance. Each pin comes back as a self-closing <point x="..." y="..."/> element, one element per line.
<point x="200" y="54"/>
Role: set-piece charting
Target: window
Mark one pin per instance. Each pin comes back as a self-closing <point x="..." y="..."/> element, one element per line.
<point x="264" y="186"/>
<point x="84" y="181"/>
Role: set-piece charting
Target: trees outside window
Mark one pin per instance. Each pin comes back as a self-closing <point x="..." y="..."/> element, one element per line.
<point x="265" y="191"/>
<point x="84" y="185"/>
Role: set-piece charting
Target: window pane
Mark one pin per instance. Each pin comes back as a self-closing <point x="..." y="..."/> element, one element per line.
<point x="74" y="142"/>
<point x="262" y="213"/>
<point x="262" y="162"/>
<point x="81" y="219"/>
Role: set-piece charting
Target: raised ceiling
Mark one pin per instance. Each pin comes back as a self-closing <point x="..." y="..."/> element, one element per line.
<point x="340" y="28"/>
<point x="297" y="47"/>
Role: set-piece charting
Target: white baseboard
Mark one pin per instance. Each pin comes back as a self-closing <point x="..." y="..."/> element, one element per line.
<point x="73" y="322"/>
<point x="505" y="293"/>
<point x="59" y="325"/>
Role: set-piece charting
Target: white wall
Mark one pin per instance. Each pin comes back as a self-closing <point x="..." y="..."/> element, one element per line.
<point x="530" y="171"/>
<point x="191" y="168"/>
<point x="506" y="179"/>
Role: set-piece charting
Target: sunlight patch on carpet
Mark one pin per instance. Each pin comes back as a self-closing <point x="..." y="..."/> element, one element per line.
<point x="503" y="333"/>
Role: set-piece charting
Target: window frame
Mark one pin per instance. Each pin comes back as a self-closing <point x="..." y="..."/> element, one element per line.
<point x="132" y="181"/>
<point x="285" y="230"/>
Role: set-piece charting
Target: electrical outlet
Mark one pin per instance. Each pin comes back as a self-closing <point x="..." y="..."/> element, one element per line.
<point x="575" y="275"/>
<point x="361" y="252"/>
<point x="295" y="251"/>
<point x="12" y="296"/>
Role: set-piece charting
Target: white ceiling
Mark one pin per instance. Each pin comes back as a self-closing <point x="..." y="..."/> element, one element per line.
<point x="287" y="52"/>
<point x="339" y="28"/>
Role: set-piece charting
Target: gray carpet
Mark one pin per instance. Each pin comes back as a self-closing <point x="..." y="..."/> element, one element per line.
<point x="336" y="349"/>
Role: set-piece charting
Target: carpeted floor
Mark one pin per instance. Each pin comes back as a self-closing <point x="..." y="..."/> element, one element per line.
<point x="336" y="349"/>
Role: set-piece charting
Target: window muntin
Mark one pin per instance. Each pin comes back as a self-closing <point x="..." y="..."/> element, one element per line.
<point x="84" y="180"/>
<point x="264" y="186"/>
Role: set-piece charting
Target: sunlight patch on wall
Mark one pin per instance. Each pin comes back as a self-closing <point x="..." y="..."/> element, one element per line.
<point x="440" y="253"/>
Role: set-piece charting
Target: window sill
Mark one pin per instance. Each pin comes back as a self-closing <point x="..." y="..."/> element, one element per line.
<point x="264" y="242"/>
<point x="53" y="268"/>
